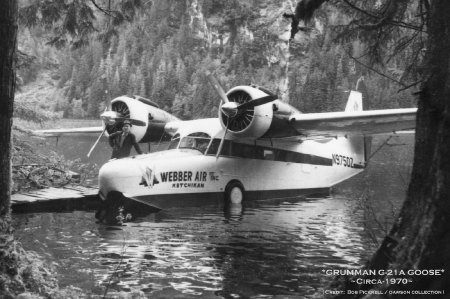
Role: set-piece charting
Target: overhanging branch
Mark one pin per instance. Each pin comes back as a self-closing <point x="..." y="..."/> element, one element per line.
<point x="374" y="70"/>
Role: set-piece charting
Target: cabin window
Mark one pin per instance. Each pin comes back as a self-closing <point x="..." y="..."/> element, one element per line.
<point x="174" y="142"/>
<point x="234" y="149"/>
<point x="250" y="151"/>
<point x="243" y="150"/>
<point x="212" y="150"/>
<point x="198" y="141"/>
<point x="281" y="155"/>
<point x="268" y="154"/>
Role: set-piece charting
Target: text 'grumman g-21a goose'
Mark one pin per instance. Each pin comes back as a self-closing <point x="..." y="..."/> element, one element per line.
<point x="259" y="147"/>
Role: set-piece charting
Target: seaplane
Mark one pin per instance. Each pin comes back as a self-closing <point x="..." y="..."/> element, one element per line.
<point x="258" y="147"/>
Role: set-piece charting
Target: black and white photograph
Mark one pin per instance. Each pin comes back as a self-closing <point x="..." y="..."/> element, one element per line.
<point x="224" y="149"/>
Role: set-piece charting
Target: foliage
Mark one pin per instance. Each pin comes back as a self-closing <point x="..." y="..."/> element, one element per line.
<point x="73" y="22"/>
<point x="35" y="170"/>
<point x="33" y="110"/>
<point x="379" y="34"/>
<point x="33" y="55"/>
<point x="163" y="55"/>
<point x="23" y="271"/>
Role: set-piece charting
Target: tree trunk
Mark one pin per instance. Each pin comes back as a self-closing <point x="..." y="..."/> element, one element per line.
<point x="422" y="233"/>
<point x="420" y="239"/>
<point x="8" y="35"/>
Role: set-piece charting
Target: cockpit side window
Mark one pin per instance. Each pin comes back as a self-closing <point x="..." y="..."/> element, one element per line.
<point x="198" y="141"/>
<point x="174" y="142"/>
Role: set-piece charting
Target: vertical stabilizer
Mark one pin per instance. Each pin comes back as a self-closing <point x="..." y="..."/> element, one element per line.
<point x="354" y="102"/>
<point x="361" y="144"/>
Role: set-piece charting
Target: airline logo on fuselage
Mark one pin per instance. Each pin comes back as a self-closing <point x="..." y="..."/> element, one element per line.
<point x="186" y="179"/>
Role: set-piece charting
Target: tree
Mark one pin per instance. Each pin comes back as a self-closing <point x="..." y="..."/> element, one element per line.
<point x="8" y="33"/>
<point x="420" y="238"/>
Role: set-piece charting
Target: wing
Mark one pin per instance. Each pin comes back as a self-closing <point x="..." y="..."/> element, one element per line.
<point x="72" y="132"/>
<point x="367" y="122"/>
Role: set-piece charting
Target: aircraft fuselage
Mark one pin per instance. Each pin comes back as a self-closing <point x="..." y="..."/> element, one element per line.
<point x="264" y="168"/>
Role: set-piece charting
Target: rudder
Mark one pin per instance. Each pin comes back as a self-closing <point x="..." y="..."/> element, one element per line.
<point x="354" y="102"/>
<point x="361" y="144"/>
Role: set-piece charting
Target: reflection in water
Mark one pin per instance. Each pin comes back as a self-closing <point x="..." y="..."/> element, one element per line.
<point x="260" y="248"/>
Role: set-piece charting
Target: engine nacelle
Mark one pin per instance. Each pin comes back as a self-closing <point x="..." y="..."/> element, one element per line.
<point x="253" y="122"/>
<point x="153" y="117"/>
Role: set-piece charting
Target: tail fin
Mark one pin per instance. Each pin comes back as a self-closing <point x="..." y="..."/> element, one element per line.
<point x="354" y="102"/>
<point x="360" y="144"/>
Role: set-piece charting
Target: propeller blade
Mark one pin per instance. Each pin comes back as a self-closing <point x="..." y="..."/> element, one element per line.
<point x="108" y="104"/>
<point x="219" y="150"/>
<point x="134" y="122"/>
<point x="218" y="88"/>
<point x="96" y="142"/>
<point x="107" y="95"/>
<point x="256" y="102"/>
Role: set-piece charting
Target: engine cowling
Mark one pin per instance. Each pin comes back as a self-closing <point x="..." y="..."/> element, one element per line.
<point x="153" y="117"/>
<point x="253" y="122"/>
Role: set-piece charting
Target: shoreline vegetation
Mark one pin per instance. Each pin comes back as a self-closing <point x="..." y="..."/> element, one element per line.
<point x="36" y="167"/>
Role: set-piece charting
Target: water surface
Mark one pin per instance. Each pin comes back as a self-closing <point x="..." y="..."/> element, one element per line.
<point x="263" y="248"/>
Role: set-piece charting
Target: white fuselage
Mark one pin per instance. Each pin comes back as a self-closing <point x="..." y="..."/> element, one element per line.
<point x="265" y="168"/>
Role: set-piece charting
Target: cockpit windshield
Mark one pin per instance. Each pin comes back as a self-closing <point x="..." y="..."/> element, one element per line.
<point x="198" y="141"/>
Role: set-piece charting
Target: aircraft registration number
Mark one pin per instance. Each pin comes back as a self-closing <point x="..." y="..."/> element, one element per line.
<point x="342" y="160"/>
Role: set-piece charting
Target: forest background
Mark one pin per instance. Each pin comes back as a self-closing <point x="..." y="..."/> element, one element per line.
<point x="164" y="52"/>
<point x="246" y="42"/>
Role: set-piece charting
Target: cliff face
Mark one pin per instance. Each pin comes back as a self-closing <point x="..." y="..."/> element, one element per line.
<point x="258" y="24"/>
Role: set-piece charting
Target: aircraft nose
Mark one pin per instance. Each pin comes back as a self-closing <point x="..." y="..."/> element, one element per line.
<point x="120" y="175"/>
<point x="107" y="176"/>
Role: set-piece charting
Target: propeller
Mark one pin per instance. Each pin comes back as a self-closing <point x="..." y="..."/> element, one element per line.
<point x="112" y="118"/>
<point x="233" y="109"/>
<point x="118" y="113"/>
<point x="134" y="122"/>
